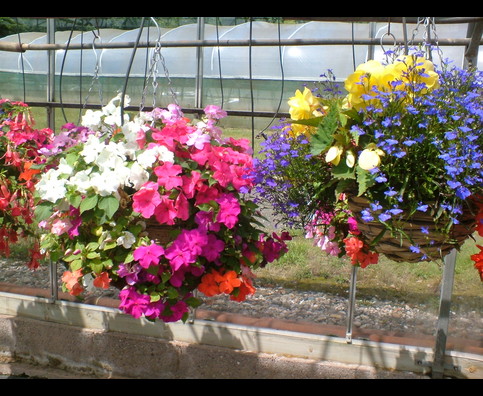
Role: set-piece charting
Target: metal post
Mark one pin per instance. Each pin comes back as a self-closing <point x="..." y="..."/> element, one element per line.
<point x="199" y="68"/>
<point x="444" y="313"/>
<point x="51" y="73"/>
<point x="352" y="300"/>
<point x="54" y="289"/>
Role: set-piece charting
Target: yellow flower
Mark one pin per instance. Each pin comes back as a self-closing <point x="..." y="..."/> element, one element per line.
<point x="303" y="106"/>
<point x="350" y="158"/>
<point x="370" y="157"/>
<point x="421" y="69"/>
<point x="366" y="77"/>
<point x="333" y="154"/>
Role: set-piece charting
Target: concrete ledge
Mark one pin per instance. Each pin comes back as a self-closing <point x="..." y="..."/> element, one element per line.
<point x="101" y="341"/>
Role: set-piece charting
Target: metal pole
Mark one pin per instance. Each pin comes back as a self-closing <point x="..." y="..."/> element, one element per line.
<point x="199" y="69"/>
<point x="444" y="313"/>
<point x="352" y="300"/>
<point x="51" y="73"/>
<point x="54" y="289"/>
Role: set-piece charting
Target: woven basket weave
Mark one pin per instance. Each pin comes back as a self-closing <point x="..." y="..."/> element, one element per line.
<point x="434" y="245"/>
<point x="161" y="233"/>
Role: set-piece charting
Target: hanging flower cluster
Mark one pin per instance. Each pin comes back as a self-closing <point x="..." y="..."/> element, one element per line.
<point x="102" y="198"/>
<point x="405" y="138"/>
<point x="21" y="146"/>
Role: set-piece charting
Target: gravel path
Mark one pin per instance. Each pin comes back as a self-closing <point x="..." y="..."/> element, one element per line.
<point x="315" y="307"/>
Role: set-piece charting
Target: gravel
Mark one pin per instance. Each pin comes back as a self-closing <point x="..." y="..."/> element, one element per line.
<point x="308" y="306"/>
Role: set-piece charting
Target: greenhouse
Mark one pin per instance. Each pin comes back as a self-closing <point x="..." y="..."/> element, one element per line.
<point x="241" y="197"/>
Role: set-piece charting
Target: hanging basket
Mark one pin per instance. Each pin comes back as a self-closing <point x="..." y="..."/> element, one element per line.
<point x="433" y="245"/>
<point x="161" y="233"/>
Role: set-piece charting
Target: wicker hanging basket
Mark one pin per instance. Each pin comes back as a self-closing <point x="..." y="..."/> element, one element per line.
<point x="433" y="245"/>
<point x="161" y="233"/>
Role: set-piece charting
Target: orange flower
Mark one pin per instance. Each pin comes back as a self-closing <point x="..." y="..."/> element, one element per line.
<point x="228" y="282"/>
<point x="246" y="289"/>
<point x="71" y="281"/>
<point x="102" y="280"/>
<point x="216" y="283"/>
<point x="208" y="286"/>
<point x="28" y="173"/>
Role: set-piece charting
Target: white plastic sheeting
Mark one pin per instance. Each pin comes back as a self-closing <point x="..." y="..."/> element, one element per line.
<point x="304" y="63"/>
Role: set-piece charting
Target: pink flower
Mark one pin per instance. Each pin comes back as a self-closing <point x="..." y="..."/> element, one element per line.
<point x="168" y="175"/>
<point x="148" y="255"/>
<point x="60" y="226"/>
<point x="192" y="183"/>
<point x="165" y="212"/>
<point x="216" y="112"/>
<point x="182" y="207"/>
<point x="146" y="199"/>
<point x="207" y="194"/>
<point x="229" y="210"/>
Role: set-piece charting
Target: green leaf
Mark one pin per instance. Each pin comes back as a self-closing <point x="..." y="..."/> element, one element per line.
<point x="342" y="171"/>
<point x="364" y="179"/>
<point x="88" y="203"/>
<point x="325" y="133"/>
<point x="109" y="204"/>
<point x="309" y="122"/>
<point x="43" y="211"/>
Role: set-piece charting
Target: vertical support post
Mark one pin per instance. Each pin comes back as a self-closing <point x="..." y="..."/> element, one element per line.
<point x="352" y="300"/>
<point x="199" y="68"/>
<point x="51" y="73"/>
<point x="54" y="289"/>
<point x="444" y="313"/>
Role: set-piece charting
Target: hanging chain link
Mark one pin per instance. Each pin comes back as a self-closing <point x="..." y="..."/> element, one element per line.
<point x="429" y="34"/>
<point x="95" y="77"/>
<point x="153" y="72"/>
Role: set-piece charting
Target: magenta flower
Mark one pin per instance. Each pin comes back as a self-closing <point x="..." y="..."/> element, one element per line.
<point x="229" y="210"/>
<point x="129" y="272"/>
<point x="205" y="221"/>
<point x="132" y="302"/>
<point x="148" y="255"/>
<point x="212" y="250"/>
<point x="146" y="199"/>
<point x="178" y="310"/>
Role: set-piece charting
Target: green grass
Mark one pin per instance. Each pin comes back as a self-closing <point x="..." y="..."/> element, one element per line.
<point x="305" y="267"/>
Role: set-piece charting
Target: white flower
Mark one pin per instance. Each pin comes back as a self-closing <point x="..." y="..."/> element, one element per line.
<point x="91" y="119"/>
<point x="150" y="155"/>
<point x="64" y="168"/>
<point x="81" y="181"/>
<point x="127" y="239"/>
<point x="92" y="148"/>
<point x="138" y="176"/>
<point x="51" y="186"/>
